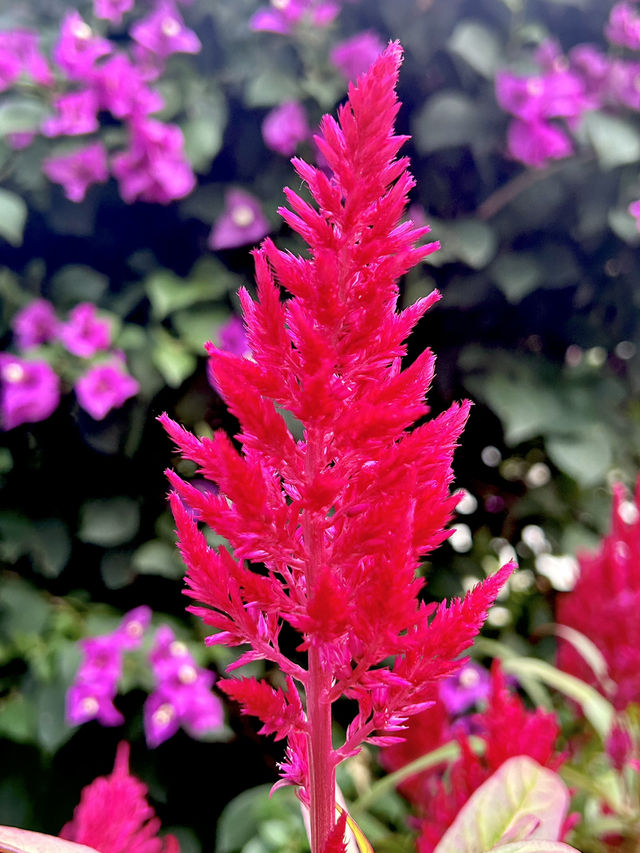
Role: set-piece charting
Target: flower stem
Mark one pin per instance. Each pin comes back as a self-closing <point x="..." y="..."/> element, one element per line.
<point x="321" y="766"/>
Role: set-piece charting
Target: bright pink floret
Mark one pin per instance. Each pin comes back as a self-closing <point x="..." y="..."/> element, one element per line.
<point x="353" y="56"/>
<point x="29" y="391"/>
<point x="241" y="222"/>
<point x="105" y="387"/>
<point x="35" y="324"/>
<point x="114" y="816"/>
<point x="84" y="334"/>
<point x="79" y="170"/>
<point x="285" y="127"/>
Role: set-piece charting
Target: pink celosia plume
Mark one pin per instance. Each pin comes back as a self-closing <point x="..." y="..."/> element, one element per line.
<point x="340" y="518"/>
<point x="113" y="815"/>
<point x="613" y="574"/>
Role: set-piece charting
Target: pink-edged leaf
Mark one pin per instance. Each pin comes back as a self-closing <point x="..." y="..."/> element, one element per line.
<point x="521" y="802"/>
<point x="13" y="840"/>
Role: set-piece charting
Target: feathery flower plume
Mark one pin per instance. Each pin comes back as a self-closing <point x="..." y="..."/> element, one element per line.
<point x="614" y="571"/>
<point x="340" y="518"/>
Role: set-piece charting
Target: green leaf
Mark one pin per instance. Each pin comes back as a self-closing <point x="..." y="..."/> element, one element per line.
<point x="50" y="547"/>
<point x="24" y="609"/>
<point x="171" y="358"/>
<point x="448" y="119"/>
<point x="477" y="45"/>
<point x="109" y="522"/>
<point x="202" y="141"/>
<point x="20" y="114"/>
<point x="17" y="720"/>
<point x="13" y="216"/>
<point x="196" y="326"/>
<point x="168" y="293"/>
<point x="616" y="141"/>
<point x="595" y="707"/>
<point x="521" y="801"/>
<point x="270" y="88"/>
<point x="52" y="728"/>
<point x="585" y="456"/>
<point x="158" y="558"/>
<point x="517" y="274"/>
<point x="77" y="283"/>
<point x="243" y="817"/>
<point x="624" y="225"/>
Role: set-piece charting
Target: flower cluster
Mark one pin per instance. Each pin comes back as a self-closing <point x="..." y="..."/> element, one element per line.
<point x="30" y="387"/>
<point x="182" y="696"/>
<point x="506" y="729"/>
<point x="113" y="815"/>
<point x="95" y="76"/>
<point x="567" y="86"/>
<point x="614" y="571"/>
<point x="95" y="686"/>
<point x="340" y="518"/>
<point x="283" y="16"/>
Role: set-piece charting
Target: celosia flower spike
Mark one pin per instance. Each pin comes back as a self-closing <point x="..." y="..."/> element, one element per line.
<point x="340" y="518"/>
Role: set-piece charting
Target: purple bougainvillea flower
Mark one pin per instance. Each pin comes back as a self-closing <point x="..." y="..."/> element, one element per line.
<point x="77" y="171"/>
<point x="131" y="630"/>
<point x="112" y="10"/>
<point x="623" y="27"/>
<point x="29" y="391"/>
<point x="122" y="89"/>
<point x="95" y="685"/>
<point x="353" y="56"/>
<point x="104" y="387"/>
<point x="242" y="221"/>
<point x="183" y="694"/>
<point x="282" y="16"/>
<point x="634" y="210"/>
<point x="556" y="94"/>
<point x="35" y="324"/>
<point x="84" y="334"/>
<point x="285" y="127"/>
<point x="154" y="168"/>
<point x="163" y="32"/>
<point x="233" y="338"/>
<point x="92" y="701"/>
<point x="535" y="143"/>
<point x="78" y="47"/>
<point x="19" y="53"/>
<point x="470" y="685"/>
<point x="76" y="113"/>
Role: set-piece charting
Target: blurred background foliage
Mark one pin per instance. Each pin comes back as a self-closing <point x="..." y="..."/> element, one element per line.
<point x="538" y="324"/>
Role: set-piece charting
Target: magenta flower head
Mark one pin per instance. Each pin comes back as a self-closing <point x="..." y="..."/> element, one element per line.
<point x="76" y="113"/>
<point x="535" y="143"/>
<point x="105" y="387"/>
<point x="285" y="127"/>
<point x="614" y="570"/>
<point x="354" y="55"/>
<point x="623" y="27"/>
<point x="634" y="210"/>
<point x="112" y="10"/>
<point x="282" y="16"/>
<point x="113" y="815"/>
<point x="95" y="685"/>
<point x="29" y="391"/>
<point x="79" y="47"/>
<point x="122" y="90"/>
<point x="19" y="53"/>
<point x="341" y="517"/>
<point x="35" y="324"/>
<point x="466" y="688"/>
<point x="84" y="334"/>
<point x="182" y="696"/>
<point x="163" y="32"/>
<point x="242" y="221"/>
<point x="79" y="170"/>
<point x="154" y="168"/>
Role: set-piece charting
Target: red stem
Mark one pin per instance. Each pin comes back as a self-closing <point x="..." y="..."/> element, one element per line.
<point x="321" y="766"/>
